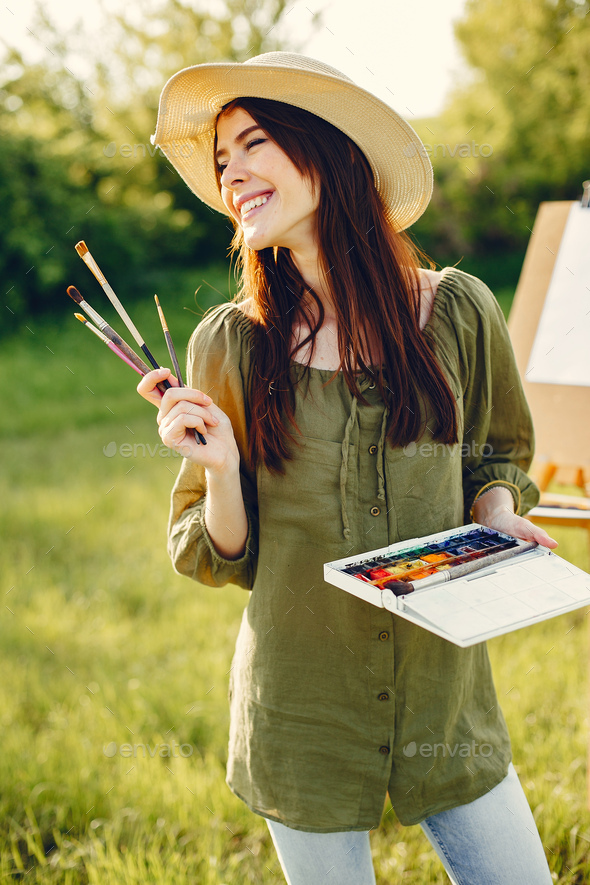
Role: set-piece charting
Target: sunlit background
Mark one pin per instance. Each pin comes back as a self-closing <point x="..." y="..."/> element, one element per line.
<point x="101" y="645"/>
<point x="406" y="47"/>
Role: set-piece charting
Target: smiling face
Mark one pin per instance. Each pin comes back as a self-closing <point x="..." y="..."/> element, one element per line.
<point x="263" y="190"/>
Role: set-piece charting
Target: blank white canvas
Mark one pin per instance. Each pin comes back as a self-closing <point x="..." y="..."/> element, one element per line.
<point x="561" y="350"/>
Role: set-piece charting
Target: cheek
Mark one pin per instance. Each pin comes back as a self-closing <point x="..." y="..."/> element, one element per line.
<point x="227" y="198"/>
<point x="308" y="202"/>
<point x="302" y="193"/>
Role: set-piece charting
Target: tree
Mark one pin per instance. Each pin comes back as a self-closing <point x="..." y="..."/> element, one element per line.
<point x="76" y="160"/>
<point x="528" y="100"/>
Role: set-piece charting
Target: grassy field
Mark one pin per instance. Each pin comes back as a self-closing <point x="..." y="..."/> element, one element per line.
<point x="104" y="646"/>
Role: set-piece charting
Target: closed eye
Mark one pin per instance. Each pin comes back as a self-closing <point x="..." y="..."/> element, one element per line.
<point x="255" y="141"/>
<point x="249" y="144"/>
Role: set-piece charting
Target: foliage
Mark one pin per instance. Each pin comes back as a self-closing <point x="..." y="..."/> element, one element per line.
<point x="526" y="98"/>
<point x="77" y="162"/>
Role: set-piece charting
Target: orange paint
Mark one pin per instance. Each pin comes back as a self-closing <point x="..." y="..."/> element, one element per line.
<point x="437" y="557"/>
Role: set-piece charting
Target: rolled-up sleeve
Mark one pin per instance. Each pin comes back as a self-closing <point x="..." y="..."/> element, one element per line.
<point x="218" y="363"/>
<point x="498" y="437"/>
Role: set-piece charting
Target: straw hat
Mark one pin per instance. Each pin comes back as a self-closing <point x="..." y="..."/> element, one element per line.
<point x="192" y="99"/>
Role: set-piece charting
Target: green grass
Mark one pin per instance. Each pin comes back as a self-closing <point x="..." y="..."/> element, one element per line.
<point x="102" y="645"/>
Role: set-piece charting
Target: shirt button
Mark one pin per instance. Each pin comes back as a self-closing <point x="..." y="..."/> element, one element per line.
<point x="383" y="636"/>
<point x="375" y="511"/>
<point x="372" y="450"/>
<point x="384" y="751"/>
<point x="383" y="696"/>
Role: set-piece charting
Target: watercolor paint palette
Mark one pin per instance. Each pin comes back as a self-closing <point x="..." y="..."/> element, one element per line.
<point x="466" y="585"/>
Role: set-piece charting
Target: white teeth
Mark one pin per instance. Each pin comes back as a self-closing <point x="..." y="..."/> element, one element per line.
<point x="251" y="204"/>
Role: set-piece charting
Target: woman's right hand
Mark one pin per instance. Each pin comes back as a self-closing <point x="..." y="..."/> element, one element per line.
<point x="180" y="410"/>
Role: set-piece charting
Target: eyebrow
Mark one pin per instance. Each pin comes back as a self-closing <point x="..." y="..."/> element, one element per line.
<point x="239" y="138"/>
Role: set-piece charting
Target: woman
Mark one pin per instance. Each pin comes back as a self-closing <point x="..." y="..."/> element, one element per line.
<point x="349" y="400"/>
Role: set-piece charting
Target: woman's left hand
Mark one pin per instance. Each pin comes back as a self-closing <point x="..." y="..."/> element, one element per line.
<point x="519" y="527"/>
<point x="495" y="509"/>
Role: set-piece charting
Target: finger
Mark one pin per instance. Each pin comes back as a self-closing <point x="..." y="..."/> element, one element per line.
<point x="541" y="537"/>
<point x="174" y="433"/>
<point x="188" y="412"/>
<point x="527" y="531"/>
<point x="188" y="394"/>
<point x="185" y="407"/>
<point x="147" y="387"/>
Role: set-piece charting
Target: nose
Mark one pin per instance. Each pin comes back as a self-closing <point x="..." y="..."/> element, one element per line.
<point x="233" y="174"/>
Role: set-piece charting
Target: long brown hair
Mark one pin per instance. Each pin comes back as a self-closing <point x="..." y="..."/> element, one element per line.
<point x="372" y="272"/>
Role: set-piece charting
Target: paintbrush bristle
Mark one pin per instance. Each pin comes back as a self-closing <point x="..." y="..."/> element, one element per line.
<point x="73" y="293"/>
<point x="161" y="314"/>
<point x="81" y="248"/>
<point x="80" y="317"/>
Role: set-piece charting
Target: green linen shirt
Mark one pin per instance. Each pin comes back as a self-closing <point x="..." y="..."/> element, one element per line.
<point x="333" y="701"/>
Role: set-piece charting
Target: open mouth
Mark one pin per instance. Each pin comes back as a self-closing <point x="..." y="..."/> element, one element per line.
<point x="255" y="204"/>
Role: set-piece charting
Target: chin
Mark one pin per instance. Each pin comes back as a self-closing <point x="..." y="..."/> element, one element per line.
<point x="256" y="241"/>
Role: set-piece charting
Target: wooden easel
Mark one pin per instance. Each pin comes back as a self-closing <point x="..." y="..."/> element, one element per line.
<point x="567" y="510"/>
<point x="561" y="414"/>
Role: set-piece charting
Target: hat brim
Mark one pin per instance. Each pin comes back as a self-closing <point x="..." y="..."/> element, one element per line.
<point x="192" y="99"/>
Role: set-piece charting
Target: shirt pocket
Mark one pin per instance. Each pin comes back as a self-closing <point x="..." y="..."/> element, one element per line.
<point x="303" y="506"/>
<point x="424" y="487"/>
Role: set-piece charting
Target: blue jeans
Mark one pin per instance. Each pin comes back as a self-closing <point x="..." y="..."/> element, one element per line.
<point x="491" y="841"/>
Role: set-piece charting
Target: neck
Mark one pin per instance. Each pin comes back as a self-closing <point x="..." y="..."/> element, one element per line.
<point x="308" y="265"/>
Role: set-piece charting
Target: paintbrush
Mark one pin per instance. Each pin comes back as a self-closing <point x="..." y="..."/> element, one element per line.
<point x="90" y="262"/>
<point x="112" y="335"/>
<point x="198" y="435"/>
<point x="464" y="568"/>
<point x="102" y="337"/>
<point x="169" y="342"/>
